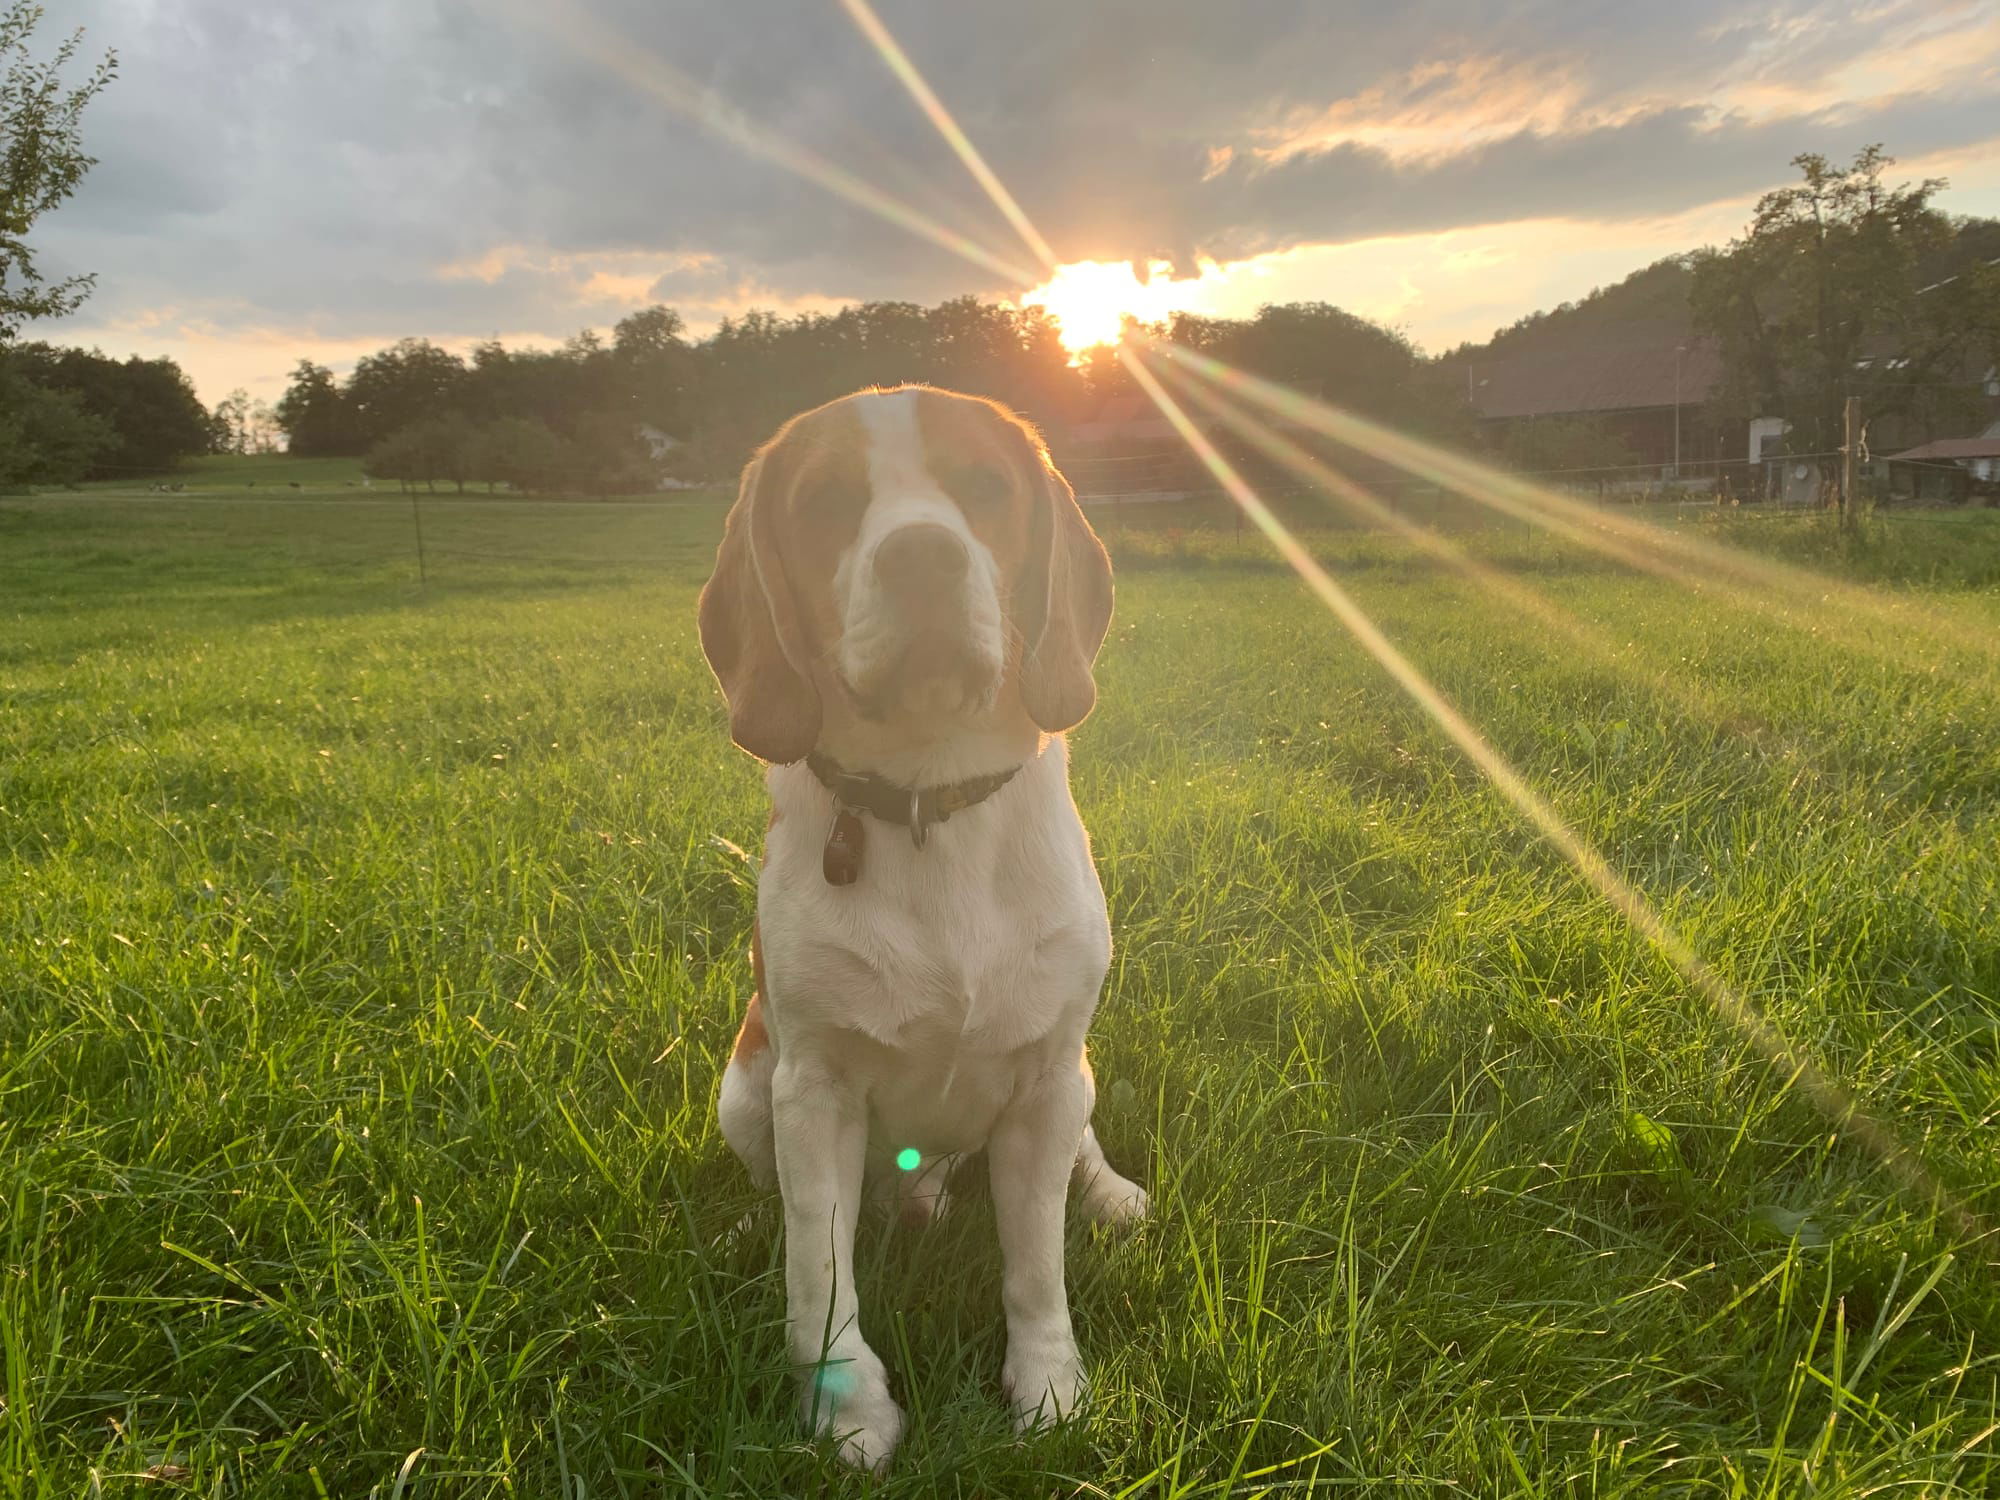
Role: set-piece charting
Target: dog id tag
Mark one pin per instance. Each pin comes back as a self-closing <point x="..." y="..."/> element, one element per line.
<point x="840" y="861"/>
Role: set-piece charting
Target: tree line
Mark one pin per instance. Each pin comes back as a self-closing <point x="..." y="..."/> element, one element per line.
<point x="650" y="405"/>
<point x="70" y="414"/>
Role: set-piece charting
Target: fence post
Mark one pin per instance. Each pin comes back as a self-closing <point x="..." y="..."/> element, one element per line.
<point x="1850" y="442"/>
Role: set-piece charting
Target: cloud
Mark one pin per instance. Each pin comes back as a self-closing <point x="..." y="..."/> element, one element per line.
<point x="339" y="170"/>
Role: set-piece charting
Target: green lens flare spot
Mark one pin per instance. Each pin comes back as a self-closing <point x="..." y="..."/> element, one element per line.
<point x="833" y="1382"/>
<point x="909" y="1158"/>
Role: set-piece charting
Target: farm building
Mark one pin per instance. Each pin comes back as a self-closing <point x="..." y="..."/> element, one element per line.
<point x="1950" y="469"/>
<point x="1648" y="391"/>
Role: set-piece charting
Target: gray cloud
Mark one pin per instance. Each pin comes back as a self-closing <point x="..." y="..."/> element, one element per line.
<point x="317" y="166"/>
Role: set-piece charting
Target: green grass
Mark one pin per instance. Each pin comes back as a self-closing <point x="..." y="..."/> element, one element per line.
<point x="369" y="954"/>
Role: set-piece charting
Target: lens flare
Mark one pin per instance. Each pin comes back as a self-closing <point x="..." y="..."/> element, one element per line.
<point x="1359" y="502"/>
<point x="1794" y="596"/>
<point x="574" y="27"/>
<point x="909" y="1159"/>
<point x="899" y="63"/>
<point x="1829" y="1096"/>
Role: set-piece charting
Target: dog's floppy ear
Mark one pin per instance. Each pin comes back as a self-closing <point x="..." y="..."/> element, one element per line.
<point x="751" y="634"/>
<point x="1066" y="609"/>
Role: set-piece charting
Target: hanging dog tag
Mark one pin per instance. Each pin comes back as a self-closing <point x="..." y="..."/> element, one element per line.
<point x="840" y="861"/>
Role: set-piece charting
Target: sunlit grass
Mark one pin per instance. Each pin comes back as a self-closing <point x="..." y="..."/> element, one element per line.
<point x="369" y="955"/>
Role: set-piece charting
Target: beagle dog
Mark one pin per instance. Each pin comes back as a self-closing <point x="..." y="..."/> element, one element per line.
<point x="903" y="616"/>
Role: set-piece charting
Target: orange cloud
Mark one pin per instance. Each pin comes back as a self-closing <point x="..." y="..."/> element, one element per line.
<point x="1440" y="109"/>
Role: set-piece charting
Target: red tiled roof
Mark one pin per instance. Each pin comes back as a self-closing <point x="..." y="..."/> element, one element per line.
<point x="1593" y="380"/>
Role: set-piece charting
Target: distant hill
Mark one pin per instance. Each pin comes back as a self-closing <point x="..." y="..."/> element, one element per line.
<point x="1650" y="307"/>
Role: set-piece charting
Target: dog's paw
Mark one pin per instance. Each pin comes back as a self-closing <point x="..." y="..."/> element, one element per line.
<point x="1044" y="1385"/>
<point x="869" y="1445"/>
<point x="849" y="1400"/>
<point x="1112" y="1200"/>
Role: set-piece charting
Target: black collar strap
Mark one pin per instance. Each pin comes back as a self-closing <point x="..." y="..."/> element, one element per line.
<point x="915" y="808"/>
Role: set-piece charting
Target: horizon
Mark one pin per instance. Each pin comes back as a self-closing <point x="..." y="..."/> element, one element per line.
<point x="1442" y="180"/>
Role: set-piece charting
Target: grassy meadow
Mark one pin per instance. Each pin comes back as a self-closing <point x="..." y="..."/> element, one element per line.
<point x="369" y="951"/>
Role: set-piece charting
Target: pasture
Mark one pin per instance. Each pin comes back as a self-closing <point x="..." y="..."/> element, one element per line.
<point x="369" y="953"/>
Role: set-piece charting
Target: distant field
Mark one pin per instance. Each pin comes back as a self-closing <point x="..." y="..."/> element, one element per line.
<point x="228" y="472"/>
<point x="370" y="950"/>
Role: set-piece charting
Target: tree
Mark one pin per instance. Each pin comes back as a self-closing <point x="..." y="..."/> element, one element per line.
<point x="444" y="447"/>
<point x="452" y="445"/>
<point x="1104" y="373"/>
<point x="522" y="455"/>
<point x="1331" y="354"/>
<point x="400" y="457"/>
<point x="652" y="362"/>
<point x="230" y="423"/>
<point x="610" y="458"/>
<point x="313" y="413"/>
<point x="1822" y="298"/>
<point x="46" y="436"/>
<point x="410" y="382"/>
<point x="264" y="431"/>
<point x="150" y="404"/>
<point x="41" y="161"/>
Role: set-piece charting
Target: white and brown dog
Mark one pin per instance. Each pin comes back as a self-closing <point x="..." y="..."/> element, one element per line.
<point x="903" y="616"/>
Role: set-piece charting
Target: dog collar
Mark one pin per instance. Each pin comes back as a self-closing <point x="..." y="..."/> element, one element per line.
<point x="912" y="807"/>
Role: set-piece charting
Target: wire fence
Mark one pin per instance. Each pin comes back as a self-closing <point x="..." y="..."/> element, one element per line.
<point x="1140" y="490"/>
<point x="506" y="541"/>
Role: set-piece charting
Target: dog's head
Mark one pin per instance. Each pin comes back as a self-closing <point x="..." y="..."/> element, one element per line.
<point x="909" y="556"/>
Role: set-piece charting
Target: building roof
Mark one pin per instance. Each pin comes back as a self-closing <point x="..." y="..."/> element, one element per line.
<point x="1624" y="378"/>
<point x="1947" y="448"/>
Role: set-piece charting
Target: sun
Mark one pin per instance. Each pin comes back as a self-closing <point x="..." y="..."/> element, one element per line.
<point x="1090" y="299"/>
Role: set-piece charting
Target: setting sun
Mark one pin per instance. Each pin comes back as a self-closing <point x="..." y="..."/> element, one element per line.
<point x="1091" y="299"/>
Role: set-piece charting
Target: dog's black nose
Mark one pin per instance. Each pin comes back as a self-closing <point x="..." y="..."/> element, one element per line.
<point x="919" y="557"/>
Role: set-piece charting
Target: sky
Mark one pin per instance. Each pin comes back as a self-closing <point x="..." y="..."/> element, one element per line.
<point x="298" y="179"/>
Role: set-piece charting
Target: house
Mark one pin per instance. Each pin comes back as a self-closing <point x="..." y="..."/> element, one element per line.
<point x="1951" y="469"/>
<point x="658" y="444"/>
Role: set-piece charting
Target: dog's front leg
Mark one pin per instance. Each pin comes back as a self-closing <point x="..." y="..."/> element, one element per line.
<point x="1029" y="1156"/>
<point x="821" y="1133"/>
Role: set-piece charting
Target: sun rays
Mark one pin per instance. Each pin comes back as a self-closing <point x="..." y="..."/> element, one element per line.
<point x="1860" y="618"/>
<point x="572" y="26"/>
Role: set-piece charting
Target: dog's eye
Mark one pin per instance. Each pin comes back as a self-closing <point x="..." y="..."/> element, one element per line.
<point x="978" y="487"/>
<point x="837" y="504"/>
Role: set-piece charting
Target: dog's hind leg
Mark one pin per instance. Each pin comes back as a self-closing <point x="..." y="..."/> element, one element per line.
<point x="743" y="1107"/>
<point x="924" y="1194"/>
<point x="1101" y="1193"/>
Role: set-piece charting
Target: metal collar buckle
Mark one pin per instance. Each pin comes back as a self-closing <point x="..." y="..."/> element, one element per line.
<point x="920" y="831"/>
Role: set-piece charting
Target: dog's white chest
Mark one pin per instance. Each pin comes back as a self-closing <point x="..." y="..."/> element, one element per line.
<point x="941" y="973"/>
